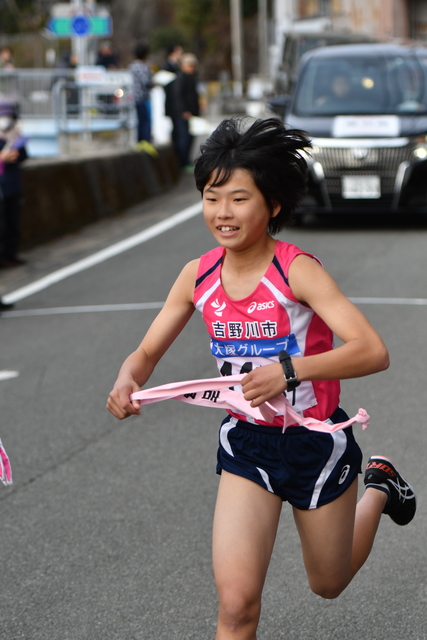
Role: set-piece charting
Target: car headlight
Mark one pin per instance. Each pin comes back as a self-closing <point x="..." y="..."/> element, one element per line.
<point x="420" y="152"/>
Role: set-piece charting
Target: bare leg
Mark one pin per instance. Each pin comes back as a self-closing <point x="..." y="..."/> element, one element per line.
<point x="337" y="538"/>
<point x="245" y="527"/>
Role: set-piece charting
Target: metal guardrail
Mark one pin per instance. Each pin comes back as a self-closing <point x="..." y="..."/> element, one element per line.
<point x="31" y="89"/>
<point x="74" y="109"/>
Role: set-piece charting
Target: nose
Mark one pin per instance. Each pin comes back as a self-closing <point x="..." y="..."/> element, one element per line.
<point x="224" y="209"/>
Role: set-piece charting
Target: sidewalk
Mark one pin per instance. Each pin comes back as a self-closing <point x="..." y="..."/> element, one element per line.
<point x="64" y="251"/>
<point x="94" y="237"/>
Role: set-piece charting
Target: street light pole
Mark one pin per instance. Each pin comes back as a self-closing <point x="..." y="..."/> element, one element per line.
<point x="262" y="39"/>
<point x="236" y="46"/>
<point x="80" y="43"/>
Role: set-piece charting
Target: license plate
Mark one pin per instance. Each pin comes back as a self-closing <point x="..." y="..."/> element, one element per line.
<point x="361" y="187"/>
<point x="366" y="126"/>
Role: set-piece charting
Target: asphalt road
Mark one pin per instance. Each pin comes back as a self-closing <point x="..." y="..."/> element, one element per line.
<point x="105" y="534"/>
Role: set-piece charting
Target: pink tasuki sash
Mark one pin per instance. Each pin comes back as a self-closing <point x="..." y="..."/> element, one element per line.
<point x="5" y="468"/>
<point x="215" y="393"/>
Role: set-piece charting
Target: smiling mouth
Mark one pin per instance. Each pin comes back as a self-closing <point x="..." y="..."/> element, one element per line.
<point x="227" y="229"/>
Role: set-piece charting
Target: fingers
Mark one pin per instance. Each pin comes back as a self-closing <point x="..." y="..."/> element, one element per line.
<point x="120" y="405"/>
<point x="10" y="155"/>
<point x="263" y="384"/>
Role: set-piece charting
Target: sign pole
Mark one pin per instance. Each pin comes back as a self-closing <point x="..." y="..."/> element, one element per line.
<point x="79" y="44"/>
<point x="80" y="49"/>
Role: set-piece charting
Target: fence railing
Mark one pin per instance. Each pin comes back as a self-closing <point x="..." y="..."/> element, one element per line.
<point x="78" y="108"/>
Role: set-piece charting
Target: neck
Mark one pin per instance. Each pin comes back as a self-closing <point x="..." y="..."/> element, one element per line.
<point x="253" y="258"/>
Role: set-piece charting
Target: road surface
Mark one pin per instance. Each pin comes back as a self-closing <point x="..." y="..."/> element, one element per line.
<point x="105" y="534"/>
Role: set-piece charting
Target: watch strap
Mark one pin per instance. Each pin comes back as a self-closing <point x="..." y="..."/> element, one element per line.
<point x="289" y="371"/>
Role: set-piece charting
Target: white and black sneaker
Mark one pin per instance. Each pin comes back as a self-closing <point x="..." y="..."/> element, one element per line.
<point x="382" y="474"/>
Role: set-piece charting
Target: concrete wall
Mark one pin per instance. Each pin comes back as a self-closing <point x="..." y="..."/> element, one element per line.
<point x="62" y="195"/>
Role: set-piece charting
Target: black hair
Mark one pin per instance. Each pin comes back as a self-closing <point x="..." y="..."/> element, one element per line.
<point x="141" y="51"/>
<point x="271" y="153"/>
<point x="171" y="48"/>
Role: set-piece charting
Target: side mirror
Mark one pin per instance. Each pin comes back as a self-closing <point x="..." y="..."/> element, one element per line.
<point x="279" y="104"/>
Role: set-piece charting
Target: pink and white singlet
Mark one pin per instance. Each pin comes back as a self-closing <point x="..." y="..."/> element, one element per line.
<point x="251" y="332"/>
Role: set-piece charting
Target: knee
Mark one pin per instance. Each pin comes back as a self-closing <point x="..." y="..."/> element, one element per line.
<point x="237" y="610"/>
<point x="328" y="589"/>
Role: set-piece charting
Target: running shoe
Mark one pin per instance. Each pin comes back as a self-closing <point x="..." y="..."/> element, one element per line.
<point x="401" y="504"/>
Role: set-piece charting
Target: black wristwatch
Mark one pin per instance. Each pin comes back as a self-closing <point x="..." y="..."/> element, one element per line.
<point x="289" y="371"/>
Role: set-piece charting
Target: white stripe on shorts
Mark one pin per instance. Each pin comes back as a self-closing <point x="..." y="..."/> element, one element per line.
<point x="340" y="443"/>
<point x="264" y="476"/>
<point x="223" y="435"/>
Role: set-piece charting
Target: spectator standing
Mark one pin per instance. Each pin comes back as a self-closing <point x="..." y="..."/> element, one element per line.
<point x="187" y="105"/>
<point x="12" y="154"/>
<point x="64" y="70"/>
<point x="7" y="65"/>
<point x="174" y="53"/>
<point x="106" y="56"/>
<point x="142" y="84"/>
<point x="67" y="60"/>
<point x="6" y="58"/>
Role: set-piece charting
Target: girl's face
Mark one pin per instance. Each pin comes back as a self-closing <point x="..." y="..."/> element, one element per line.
<point x="236" y="212"/>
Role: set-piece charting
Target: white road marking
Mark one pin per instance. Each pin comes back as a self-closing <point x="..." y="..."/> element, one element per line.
<point x="422" y="302"/>
<point x="53" y="311"/>
<point x="141" y="306"/>
<point x="7" y="375"/>
<point x="104" y="254"/>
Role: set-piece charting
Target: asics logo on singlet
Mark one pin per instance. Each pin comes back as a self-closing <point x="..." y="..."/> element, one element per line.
<point x="344" y="473"/>
<point x="260" y="306"/>
<point x="219" y="307"/>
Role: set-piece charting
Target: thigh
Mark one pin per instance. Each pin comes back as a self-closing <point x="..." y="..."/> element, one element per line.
<point x="326" y="535"/>
<point x="245" y="527"/>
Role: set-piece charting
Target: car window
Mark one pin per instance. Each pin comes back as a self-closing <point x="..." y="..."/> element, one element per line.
<point x="363" y="85"/>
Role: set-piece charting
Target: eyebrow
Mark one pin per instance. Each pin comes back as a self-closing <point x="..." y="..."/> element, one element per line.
<point x="213" y="190"/>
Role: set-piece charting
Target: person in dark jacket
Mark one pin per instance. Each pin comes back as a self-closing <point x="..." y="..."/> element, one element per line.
<point x="174" y="53"/>
<point x="106" y="56"/>
<point x="186" y="105"/>
<point x="12" y="153"/>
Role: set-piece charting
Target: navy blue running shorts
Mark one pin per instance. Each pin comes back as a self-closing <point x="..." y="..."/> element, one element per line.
<point x="306" y="468"/>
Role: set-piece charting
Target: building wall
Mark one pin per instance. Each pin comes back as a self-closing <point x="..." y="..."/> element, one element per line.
<point x="380" y="19"/>
<point x="418" y="19"/>
<point x="373" y="17"/>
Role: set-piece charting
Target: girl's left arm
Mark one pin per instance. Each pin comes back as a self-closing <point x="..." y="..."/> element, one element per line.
<point x="362" y="353"/>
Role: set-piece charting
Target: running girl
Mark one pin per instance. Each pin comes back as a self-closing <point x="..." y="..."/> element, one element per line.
<point x="271" y="311"/>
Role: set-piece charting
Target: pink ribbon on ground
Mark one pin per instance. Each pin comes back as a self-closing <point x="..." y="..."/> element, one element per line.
<point x="216" y="393"/>
<point x="5" y="468"/>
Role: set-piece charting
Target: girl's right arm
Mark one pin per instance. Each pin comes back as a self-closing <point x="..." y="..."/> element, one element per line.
<point x="138" y="367"/>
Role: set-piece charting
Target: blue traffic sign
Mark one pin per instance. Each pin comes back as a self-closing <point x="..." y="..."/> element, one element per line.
<point x="80" y="26"/>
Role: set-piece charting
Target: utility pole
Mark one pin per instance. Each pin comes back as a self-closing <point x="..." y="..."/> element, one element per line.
<point x="79" y="44"/>
<point x="262" y="39"/>
<point x="236" y="46"/>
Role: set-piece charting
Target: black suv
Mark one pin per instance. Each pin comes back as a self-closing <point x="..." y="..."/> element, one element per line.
<point x="365" y="107"/>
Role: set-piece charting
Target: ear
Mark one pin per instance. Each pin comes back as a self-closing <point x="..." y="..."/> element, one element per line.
<point x="275" y="208"/>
